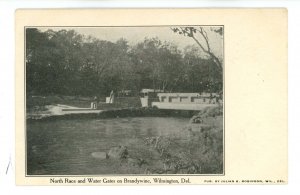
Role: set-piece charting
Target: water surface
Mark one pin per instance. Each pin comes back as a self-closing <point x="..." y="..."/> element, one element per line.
<point x="64" y="147"/>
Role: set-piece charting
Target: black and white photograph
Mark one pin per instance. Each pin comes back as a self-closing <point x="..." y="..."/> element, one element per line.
<point x="124" y="100"/>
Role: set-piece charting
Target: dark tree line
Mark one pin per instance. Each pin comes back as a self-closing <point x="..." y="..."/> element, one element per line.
<point x="67" y="63"/>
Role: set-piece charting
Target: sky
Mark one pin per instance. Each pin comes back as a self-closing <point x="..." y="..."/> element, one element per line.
<point x="137" y="34"/>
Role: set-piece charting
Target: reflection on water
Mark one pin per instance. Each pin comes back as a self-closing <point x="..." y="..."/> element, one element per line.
<point x="64" y="147"/>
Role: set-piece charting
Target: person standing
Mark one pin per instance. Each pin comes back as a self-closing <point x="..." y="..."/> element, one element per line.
<point x="95" y="103"/>
<point x="111" y="97"/>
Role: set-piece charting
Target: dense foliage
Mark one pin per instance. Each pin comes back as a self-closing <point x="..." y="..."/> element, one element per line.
<point x="67" y="63"/>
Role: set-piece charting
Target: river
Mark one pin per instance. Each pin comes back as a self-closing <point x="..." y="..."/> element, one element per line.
<point x="64" y="147"/>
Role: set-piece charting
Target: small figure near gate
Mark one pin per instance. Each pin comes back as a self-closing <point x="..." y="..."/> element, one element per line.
<point x="94" y="104"/>
<point x="111" y="97"/>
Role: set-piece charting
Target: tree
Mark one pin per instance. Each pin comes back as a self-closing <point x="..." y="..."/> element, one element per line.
<point x="171" y="66"/>
<point x="38" y="62"/>
<point x="204" y="45"/>
<point x="146" y="59"/>
<point x="200" y="74"/>
<point x="66" y="63"/>
<point x="157" y="64"/>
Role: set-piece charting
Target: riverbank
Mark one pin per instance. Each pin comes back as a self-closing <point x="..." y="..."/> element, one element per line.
<point x="40" y="103"/>
<point x="56" y="113"/>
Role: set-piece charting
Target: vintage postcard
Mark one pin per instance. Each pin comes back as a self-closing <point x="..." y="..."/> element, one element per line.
<point x="151" y="96"/>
